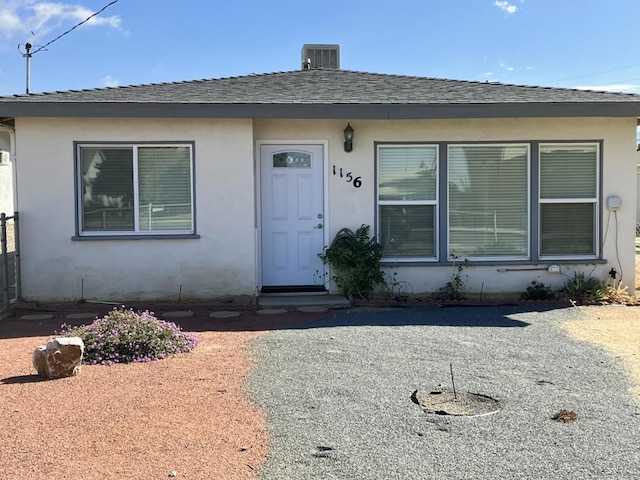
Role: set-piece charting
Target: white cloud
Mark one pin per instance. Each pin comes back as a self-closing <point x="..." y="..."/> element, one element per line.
<point x="506" y="67"/>
<point x="614" y="87"/>
<point x="109" y="81"/>
<point x="506" y="6"/>
<point x="19" y="17"/>
<point x="9" y="19"/>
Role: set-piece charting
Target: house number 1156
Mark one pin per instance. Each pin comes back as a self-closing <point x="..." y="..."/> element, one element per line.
<point x="357" y="181"/>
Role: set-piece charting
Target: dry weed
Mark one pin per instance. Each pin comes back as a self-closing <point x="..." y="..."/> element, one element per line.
<point x="564" y="416"/>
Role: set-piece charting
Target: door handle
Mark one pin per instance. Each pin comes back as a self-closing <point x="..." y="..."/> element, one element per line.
<point x="319" y="226"/>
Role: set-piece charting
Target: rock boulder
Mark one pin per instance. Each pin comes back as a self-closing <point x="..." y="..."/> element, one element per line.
<point x="60" y="357"/>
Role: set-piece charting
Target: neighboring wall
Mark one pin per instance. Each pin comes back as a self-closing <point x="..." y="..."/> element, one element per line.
<point x="6" y="176"/>
<point x="638" y="187"/>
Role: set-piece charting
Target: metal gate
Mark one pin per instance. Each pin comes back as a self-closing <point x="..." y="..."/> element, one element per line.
<point x="9" y="260"/>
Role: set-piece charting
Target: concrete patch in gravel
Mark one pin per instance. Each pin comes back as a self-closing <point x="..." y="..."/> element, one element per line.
<point x="312" y="309"/>
<point x="178" y="314"/>
<point x="271" y="311"/>
<point x="447" y="402"/>
<point x="81" y="316"/>
<point x="37" y="316"/>
<point x="224" y="314"/>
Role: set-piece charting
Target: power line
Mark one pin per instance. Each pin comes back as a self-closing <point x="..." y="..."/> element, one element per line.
<point x="74" y="27"/>
<point x="593" y="74"/>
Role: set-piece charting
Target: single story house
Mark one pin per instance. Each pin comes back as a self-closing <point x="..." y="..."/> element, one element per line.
<point x="233" y="186"/>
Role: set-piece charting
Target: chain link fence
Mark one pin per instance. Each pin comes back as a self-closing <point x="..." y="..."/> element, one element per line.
<point x="9" y="261"/>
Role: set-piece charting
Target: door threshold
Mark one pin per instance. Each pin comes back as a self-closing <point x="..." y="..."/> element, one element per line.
<point x="294" y="290"/>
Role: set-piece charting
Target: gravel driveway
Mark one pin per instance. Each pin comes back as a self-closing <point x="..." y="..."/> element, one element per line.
<point x="337" y="392"/>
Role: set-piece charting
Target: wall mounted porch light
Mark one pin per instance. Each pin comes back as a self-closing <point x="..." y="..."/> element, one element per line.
<point x="348" y="138"/>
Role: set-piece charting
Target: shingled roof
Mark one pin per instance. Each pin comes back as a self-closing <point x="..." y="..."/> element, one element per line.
<point x="321" y="93"/>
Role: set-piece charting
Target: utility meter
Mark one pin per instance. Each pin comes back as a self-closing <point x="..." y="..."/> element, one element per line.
<point x="614" y="203"/>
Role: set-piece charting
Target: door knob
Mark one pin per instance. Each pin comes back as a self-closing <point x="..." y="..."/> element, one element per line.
<point x="318" y="226"/>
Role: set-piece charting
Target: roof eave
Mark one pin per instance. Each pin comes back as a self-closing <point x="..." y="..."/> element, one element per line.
<point x="325" y="111"/>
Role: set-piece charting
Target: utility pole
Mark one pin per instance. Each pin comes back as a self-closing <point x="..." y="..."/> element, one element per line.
<point x="28" y="56"/>
<point x="29" y="46"/>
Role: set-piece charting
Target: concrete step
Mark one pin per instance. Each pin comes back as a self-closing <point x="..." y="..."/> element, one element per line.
<point x="303" y="300"/>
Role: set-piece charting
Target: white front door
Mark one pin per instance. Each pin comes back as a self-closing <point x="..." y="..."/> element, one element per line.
<point x="292" y="215"/>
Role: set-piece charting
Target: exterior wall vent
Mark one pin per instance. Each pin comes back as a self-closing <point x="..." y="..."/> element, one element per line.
<point x="320" y="56"/>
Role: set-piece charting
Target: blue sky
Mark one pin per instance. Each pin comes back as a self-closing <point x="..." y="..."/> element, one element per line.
<point x="562" y="43"/>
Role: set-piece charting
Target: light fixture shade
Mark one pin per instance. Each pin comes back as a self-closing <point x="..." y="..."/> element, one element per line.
<point x="348" y="138"/>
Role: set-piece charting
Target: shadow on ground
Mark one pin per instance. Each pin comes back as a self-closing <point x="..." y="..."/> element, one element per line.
<point x="23" y="379"/>
<point x="446" y="316"/>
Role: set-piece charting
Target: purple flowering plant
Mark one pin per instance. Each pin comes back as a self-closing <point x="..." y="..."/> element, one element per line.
<point x="125" y="336"/>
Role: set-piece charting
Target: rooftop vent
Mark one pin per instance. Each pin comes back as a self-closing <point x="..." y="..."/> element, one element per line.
<point x="320" y="56"/>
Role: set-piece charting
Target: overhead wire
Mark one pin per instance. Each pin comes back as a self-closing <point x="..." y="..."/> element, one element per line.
<point x="594" y="74"/>
<point x="74" y="27"/>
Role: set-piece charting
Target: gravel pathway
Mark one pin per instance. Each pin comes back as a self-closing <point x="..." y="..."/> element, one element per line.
<point x="337" y="393"/>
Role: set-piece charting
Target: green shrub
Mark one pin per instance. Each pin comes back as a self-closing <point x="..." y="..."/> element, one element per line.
<point x="125" y="336"/>
<point x="583" y="288"/>
<point x="355" y="261"/>
<point x="537" y="291"/>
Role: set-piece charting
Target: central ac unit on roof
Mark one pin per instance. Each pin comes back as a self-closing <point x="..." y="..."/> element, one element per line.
<point x="320" y="56"/>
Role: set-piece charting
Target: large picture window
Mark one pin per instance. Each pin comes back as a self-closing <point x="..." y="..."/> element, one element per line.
<point x="488" y="201"/>
<point x="407" y="200"/>
<point x="568" y="200"/>
<point x="135" y="189"/>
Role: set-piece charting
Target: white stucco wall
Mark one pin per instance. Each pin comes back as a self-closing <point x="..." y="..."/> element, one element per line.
<point x="6" y="175"/>
<point x="349" y="207"/>
<point x="220" y="262"/>
<point x="223" y="261"/>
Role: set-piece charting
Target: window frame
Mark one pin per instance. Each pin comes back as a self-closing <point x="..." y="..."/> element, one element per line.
<point x="534" y="256"/>
<point x="435" y="202"/>
<point x="136" y="233"/>
<point x="495" y="258"/>
<point x="595" y="201"/>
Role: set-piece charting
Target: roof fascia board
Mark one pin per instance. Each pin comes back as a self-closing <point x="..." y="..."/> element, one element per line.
<point x="324" y="111"/>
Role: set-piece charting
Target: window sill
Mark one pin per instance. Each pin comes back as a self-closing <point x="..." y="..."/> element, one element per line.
<point x="493" y="263"/>
<point x="82" y="238"/>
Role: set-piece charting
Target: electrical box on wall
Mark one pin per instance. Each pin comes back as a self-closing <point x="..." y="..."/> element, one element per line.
<point x="614" y="203"/>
